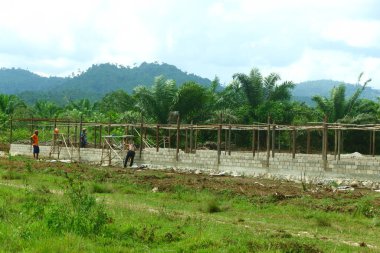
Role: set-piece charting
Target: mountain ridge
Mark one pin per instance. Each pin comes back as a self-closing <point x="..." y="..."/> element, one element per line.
<point x="100" y="79"/>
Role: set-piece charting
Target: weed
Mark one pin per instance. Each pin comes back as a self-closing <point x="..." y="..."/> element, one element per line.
<point x="81" y="215"/>
<point x="34" y="204"/>
<point x="12" y="175"/>
<point x="376" y="222"/>
<point x="323" y="221"/>
<point x="213" y="207"/>
<point x="101" y="188"/>
<point x="147" y="233"/>
<point x="365" y="208"/>
<point x="288" y="245"/>
<point x="28" y="166"/>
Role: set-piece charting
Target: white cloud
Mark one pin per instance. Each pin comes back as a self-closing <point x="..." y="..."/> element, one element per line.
<point x="356" y="33"/>
<point x="303" y="40"/>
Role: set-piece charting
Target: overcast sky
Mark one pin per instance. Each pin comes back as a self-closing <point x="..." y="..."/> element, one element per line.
<point x="301" y="40"/>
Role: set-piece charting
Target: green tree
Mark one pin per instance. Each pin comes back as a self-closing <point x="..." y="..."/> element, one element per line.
<point x="259" y="89"/>
<point x="337" y="107"/>
<point x="191" y="99"/>
<point x="9" y="103"/>
<point x="156" y="102"/>
<point x="117" y="101"/>
<point x="46" y="109"/>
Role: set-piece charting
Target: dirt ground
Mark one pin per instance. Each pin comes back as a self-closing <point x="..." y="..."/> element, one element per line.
<point x="247" y="186"/>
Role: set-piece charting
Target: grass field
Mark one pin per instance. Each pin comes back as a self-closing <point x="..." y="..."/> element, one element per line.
<point x="57" y="207"/>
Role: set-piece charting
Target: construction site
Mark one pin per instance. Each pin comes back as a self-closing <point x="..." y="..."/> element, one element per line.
<point x="177" y="146"/>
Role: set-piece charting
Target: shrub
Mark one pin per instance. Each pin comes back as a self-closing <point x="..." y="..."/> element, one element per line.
<point x="100" y="188"/>
<point x="213" y="207"/>
<point x="80" y="214"/>
<point x="11" y="175"/>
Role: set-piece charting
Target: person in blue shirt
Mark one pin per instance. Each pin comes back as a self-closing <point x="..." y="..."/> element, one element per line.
<point x="83" y="138"/>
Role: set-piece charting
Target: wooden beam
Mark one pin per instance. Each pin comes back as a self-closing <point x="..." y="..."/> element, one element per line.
<point x="229" y="139"/>
<point x="294" y="143"/>
<point x="273" y="139"/>
<point x="141" y="135"/>
<point x="191" y="137"/>
<point x="268" y="142"/>
<point x="374" y="143"/>
<point x="177" y="142"/>
<point x="253" y="141"/>
<point x="339" y="143"/>
<point x="219" y="141"/>
<point x="157" y="138"/>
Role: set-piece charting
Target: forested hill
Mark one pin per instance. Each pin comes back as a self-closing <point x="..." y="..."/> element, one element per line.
<point x="304" y="91"/>
<point x="94" y="83"/>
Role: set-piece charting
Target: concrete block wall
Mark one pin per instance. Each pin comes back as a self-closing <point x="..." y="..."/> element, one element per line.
<point x="239" y="163"/>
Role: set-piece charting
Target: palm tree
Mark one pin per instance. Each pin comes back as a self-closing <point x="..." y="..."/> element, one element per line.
<point x="337" y="107"/>
<point x="157" y="101"/>
<point x="260" y="90"/>
<point x="46" y="109"/>
<point x="9" y="103"/>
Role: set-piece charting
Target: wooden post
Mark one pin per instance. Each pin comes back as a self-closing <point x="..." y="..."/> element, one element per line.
<point x="225" y="141"/>
<point x="370" y="142"/>
<point x="177" y="142"/>
<point x="157" y="138"/>
<point x="195" y="140"/>
<point x="11" y="131"/>
<point x="100" y="135"/>
<point x="169" y="138"/>
<point x="373" y="143"/>
<point x="229" y="139"/>
<point x="186" y="141"/>
<point x="268" y="142"/>
<point x="339" y="142"/>
<point x="258" y="141"/>
<point x="335" y="143"/>
<point x="191" y="137"/>
<point x="75" y="133"/>
<point x="325" y="143"/>
<point x="80" y="132"/>
<point x="308" y="142"/>
<point x="253" y="141"/>
<point x="219" y="141"/>
<point x="273" y="139"/>
<point x="141" y="135"/>
<point x="145" y="133"/>
<point x="294" y="142"/>
<point x="95" y="135"/>
<point x="68" y="131"/>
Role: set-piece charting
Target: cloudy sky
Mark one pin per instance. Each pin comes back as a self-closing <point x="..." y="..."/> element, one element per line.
<point x="301" y="40"/>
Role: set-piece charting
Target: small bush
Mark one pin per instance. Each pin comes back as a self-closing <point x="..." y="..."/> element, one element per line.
<point x="365" y="208"/>
<point x="81" y="214"/>
<point x="100" y="188"/>
<point x="12" y="175"/>
<point x="213" y="207"/>
<point x="323" y="221"/>
<point x="376" y="222"/>
<point x="28" y="167"/>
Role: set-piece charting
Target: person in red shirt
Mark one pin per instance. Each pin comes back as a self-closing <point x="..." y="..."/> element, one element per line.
<point x="36" y="148"/>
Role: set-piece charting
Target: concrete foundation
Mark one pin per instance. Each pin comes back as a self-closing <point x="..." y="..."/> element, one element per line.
<point x="306" y="167"/>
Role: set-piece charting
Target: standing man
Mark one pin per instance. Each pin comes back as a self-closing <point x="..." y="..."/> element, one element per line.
<point x="83" y="138"/>
<point x="130" y="154"/>
<point x="36" y="148"/>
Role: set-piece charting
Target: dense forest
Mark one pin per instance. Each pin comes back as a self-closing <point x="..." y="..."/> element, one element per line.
<point x="93" y="83"/>
<point x="250" y="97"/>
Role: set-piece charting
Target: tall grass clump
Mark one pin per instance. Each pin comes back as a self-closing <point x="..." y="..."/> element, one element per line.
<point x="80" y="213"/>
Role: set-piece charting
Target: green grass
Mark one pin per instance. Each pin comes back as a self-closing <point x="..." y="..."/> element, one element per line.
<point x="57" y="207"/>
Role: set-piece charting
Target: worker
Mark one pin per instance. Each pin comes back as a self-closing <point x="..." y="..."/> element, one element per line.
<point x="83" y="138"/>
<point x="36" y="148"/>
<point x="130" y="154"/>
